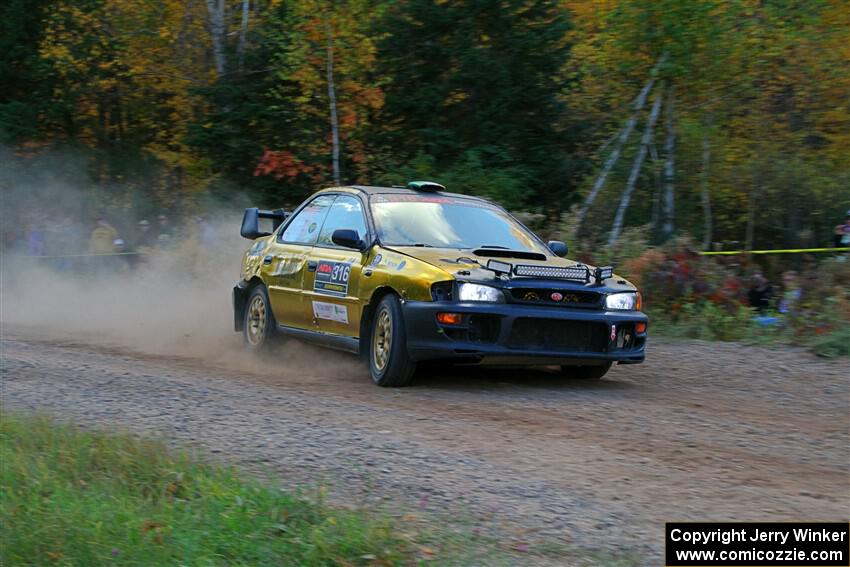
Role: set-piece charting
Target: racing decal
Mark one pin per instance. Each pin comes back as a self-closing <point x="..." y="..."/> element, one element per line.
<point x="330" y="311"/>
<point x="376" y="260"/>
<point x="258" y="247"/>
<point x="332" y="278"/>
<point x="286" y="266"/>
<point x="401" y="265"/>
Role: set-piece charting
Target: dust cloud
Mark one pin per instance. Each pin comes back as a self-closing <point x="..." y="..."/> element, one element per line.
<point x="170" y="298"/>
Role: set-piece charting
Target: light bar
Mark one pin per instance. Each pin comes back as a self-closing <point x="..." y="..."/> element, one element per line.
<point x="576" y="273"/>
<point x="499" y="267"/>
<point x="603" y="273"/>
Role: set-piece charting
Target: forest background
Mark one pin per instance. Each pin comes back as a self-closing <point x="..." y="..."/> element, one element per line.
<point x="725" y="120"/>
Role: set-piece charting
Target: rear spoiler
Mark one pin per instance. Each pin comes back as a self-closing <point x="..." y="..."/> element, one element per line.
<point x="251" y="221"/>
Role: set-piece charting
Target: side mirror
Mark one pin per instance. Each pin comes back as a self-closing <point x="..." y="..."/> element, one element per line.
<point x="251" y="224"/>
<point x="347" y="238"/>
<point x="558" y="248"/>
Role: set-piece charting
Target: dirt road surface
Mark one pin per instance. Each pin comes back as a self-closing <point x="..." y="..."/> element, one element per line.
<point x="701" y="431"/>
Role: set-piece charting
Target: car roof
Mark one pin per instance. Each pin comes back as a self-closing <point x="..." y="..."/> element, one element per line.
<point x="375" y="190"/>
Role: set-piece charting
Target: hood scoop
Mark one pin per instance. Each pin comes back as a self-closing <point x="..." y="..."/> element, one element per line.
<point x="460" y="260"/>
<point x="503" y="253"/>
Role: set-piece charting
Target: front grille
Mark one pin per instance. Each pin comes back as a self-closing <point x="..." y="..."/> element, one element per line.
<point x="544" y="296"/>
<point x="547" y="334"/>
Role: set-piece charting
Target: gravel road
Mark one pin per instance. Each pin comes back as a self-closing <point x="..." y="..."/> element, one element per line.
<point x="701" y="431"/>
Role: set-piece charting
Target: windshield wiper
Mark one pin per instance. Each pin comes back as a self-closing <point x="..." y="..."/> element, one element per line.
<point x="494" y="246"/>
<point x="422" y="245"/>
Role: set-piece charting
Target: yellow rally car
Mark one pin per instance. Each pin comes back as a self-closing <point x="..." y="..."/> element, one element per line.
<point x="401" y="275"/>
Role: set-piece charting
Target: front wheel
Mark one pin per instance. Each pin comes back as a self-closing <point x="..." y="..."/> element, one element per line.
<point x="389" y="362"/>
<point x="594" y="372"/>
<point x="259" y="329"/>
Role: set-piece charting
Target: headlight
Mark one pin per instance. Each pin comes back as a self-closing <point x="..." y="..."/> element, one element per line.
<point x="476" y="292"/>
<point x="624" y="301"/>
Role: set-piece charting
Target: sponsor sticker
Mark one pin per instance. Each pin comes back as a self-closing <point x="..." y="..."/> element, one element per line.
<point x="332" y="278"/>
<point x="330" y="311"/>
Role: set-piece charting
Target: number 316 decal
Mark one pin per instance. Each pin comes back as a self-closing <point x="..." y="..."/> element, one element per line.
<point x="332" y="278"/>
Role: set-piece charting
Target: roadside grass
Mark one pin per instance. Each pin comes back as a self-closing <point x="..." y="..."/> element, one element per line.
<point x="709" y="322"/>
<point x="71" y="497"/>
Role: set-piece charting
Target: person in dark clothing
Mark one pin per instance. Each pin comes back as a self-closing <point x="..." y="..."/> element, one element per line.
<point x="760" y="293"/>
<point x="841" y="237"/>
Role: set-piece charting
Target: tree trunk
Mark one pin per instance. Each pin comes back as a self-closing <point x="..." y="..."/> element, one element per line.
<point x="218" y="32"/>
<point x="749" y="238"/>
<point x="706" y="196"/>
<point x="243" y="30"/>
<point x="621" y="140"/>
<point x="633" y="175"/>
<point x="656" y="190"/>
<point x="332" y="101"/>
<point x="669" y="168"/>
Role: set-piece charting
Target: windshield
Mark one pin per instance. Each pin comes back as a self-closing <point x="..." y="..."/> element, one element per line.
<point x="447" y="222"/>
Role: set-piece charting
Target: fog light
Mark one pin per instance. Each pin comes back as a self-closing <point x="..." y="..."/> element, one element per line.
<point x="449" y="318"/>
<point x="640" y="327"/>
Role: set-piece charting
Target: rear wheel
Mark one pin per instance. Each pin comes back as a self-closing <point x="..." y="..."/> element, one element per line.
<point x="389" y="363"/>
<point x="594" y="372"/>
<point x="260" y="329"/>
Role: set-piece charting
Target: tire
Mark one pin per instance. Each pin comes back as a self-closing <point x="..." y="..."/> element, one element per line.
<point x="594" y="372"/>
<point x="389" y="362"/>
<point x="259" y="330"/>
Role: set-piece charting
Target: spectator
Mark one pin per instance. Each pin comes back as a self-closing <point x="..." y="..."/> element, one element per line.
<point x="165" y="234"/>
<point x="842" y="234"/>
<point x="790" y="293"/>
<point x="102" y="238"/>
<point x="206" y="233"/>
<point x="145" y="238"/>
<point x="760" y="293"/>
<point x="36" y="240"/>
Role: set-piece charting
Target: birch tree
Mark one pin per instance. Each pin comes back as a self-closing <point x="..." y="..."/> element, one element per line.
<point x="669" y="168"/>
<point x="243" y="32"/>
<point x="218" y="34"/>
<point x="704" y="193"/>
<point x="637" y="106"/>
<point x="633" y="175"/>
<point x="332" y="104"/>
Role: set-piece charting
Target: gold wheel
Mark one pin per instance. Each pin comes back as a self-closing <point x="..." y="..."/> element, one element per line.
<point x="382" y="338"/>
<point x="255" y="327"/>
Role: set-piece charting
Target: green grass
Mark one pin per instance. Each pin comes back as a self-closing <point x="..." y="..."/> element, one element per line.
<point x="710" y="322"/>
<point x="69" y="497"/>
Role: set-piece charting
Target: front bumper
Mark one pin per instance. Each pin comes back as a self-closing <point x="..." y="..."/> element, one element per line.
<point x="509" y="333"/>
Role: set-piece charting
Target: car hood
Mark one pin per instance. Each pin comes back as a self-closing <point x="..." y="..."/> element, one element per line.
<point x="466" y="265"/>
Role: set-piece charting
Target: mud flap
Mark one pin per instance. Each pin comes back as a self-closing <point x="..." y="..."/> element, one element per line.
<point x="240" y="298"/>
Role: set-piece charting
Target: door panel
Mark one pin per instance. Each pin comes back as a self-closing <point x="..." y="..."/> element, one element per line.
<point x="285" y="263"/>
<point x="284" y="266"/>
<point x="331" y="292"/>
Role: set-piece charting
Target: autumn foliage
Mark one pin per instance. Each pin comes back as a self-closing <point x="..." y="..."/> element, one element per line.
<point x="522" y="102"/>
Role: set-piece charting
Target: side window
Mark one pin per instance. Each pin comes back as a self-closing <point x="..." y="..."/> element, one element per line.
<point x="304" y="227"/>
<point x="346" y="212"/>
